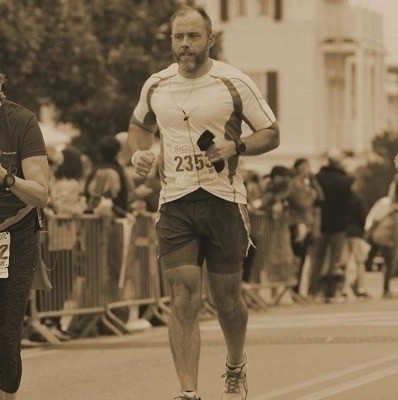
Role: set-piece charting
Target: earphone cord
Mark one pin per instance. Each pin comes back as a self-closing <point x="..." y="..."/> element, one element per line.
<point x="181" y="107"/>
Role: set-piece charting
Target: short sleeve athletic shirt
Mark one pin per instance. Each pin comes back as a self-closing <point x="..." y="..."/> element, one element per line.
<point x="182" y="109"/>
<point x="20" y="138"/>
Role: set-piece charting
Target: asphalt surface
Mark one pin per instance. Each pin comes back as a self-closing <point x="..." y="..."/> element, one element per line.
<point x="344" y="350"/>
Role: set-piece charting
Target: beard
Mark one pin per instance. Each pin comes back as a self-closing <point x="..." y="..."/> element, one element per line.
<point x="189" y="61"/>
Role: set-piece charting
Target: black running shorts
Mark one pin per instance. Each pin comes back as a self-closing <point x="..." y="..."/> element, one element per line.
<point x="213" y="229"/>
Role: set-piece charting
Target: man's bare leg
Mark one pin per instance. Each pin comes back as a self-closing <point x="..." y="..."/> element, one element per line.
<point x="184" y="335"/>
<point x="232" y="312"/>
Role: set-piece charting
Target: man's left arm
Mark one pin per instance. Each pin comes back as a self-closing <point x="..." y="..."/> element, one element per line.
<point x="258" y="142"/>
<point x="262" y="141"/>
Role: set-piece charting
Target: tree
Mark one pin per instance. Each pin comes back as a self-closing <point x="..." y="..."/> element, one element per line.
<point x="87" y="57"/>
<point x="20" y="45"/>
<point x="374" y="178"/>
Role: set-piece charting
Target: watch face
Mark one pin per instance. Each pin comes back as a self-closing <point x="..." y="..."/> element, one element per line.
<point x="9" y="180"/>
<point x="241" y="148"/>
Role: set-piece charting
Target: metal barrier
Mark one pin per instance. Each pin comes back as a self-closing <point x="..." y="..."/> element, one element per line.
<point x="100" y="265"/>
<point x="274" y="265"/>
<point x="138" y="271"/>
<point x="97" y="266"/>
<point x="75" y="251"/>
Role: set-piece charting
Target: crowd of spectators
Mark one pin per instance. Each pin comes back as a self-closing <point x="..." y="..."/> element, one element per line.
<point x="326" y="214"/>
<point x="327" y="226"/>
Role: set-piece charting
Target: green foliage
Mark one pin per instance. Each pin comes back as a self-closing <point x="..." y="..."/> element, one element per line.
<point x="20" y="44"/>
<point x="87" y="57"/>
<point x="374" y="178"/>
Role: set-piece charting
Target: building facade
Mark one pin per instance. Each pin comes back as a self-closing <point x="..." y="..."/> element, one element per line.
<point x="319" y="63"/>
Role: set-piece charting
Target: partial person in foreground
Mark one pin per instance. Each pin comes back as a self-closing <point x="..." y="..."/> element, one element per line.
<point x="24" y="176"/>
<point x="197" y="105"/>
<point x="381" y="230"/>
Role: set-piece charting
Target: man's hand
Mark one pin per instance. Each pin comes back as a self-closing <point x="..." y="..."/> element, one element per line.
<point x="3" y="173"/>
<point x="142" y="161"/>
<point x="221" y="150"/>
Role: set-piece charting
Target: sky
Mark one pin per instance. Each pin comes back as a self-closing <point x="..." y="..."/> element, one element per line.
<point x="389" y="10"/>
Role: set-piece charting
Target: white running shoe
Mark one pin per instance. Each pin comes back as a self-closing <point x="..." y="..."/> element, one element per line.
<point x="235" y="383"/>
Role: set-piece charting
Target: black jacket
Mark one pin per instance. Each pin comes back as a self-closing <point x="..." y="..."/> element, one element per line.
<point x="336" y="186"/>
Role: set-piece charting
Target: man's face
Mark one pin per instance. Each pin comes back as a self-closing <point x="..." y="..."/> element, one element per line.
<point x="190" y="42"/>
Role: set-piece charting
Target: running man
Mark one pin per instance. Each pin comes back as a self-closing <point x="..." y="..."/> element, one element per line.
<point x="203" y="214"/>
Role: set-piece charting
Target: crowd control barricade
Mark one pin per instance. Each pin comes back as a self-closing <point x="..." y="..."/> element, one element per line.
<point x="274" y="264"/>
<point x="75" y="251"/>
<point x="99" y="265"/>
<point x="136" y="281"/>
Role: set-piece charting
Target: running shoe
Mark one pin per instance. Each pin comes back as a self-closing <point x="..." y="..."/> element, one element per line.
<point x="235" y="383"/>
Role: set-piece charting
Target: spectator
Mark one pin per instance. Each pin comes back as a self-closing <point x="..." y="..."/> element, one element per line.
<point x="24" y="181"/>
<point x="109" y="189"/>
<point x="330" y="247"/>
<point x="277" y="247"/>
<point x="357" y="245"/>
<point x="87" y="168"/>
<point x="66" y="201"/>
<point x="108" y="180"/>
<point x="305" y="193"/>
<point x="66" y="187"/>
<point x="276" y="191"/>
<point x="252" y="183"/>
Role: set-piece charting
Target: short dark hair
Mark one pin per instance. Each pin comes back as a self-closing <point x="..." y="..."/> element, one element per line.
<point x="108" y="147"/>
<point x="185" y="9"/>
<point x="72" y="166"/>
<point x="280" y="170"/>
<point x="299" y="162"/>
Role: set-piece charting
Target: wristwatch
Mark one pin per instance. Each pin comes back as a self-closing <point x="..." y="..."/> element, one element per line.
<point x="240" y="147"/>
<point x="9" y="180"/>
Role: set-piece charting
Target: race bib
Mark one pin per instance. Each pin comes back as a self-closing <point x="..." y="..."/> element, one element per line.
<point x="191" y="166"/>
<point x="4" y="254"/>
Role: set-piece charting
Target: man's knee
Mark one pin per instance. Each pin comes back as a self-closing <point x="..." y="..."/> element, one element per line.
<point x="229" y="306"/>
<point x="185" y="302"/>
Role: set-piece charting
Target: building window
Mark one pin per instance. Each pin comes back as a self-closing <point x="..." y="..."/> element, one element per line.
<point x="267" y="83"/>
<point x="224" y="10"/>
<point x="241" y="8"/>
<point x="272" y="91"/>
<point x="265" y="7"/>
<point x="270" y="8"/>
<point x="278" y="10"/>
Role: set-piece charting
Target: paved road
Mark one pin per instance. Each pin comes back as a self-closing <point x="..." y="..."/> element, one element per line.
<point x="335" y="351"/>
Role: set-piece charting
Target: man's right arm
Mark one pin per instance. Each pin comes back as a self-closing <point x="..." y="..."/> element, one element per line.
<point x="139" y="138"/>
<point x="140" y="141"/>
